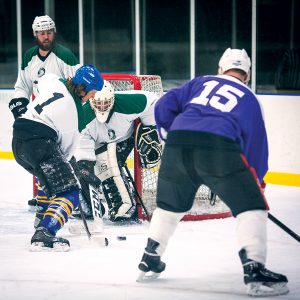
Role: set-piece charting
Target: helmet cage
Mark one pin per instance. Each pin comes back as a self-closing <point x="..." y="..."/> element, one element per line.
<point x="102" y="108"/>
<point x="103" y="101"/>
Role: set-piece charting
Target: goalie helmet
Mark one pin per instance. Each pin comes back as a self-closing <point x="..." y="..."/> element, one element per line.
<point x="103" y="102"/>
<point x="43" y="23"/>
<point x="235" y="59"/>
<point x="90" y="77"/>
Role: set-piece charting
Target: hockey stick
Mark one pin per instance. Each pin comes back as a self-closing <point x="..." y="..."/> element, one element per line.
<point x="98" y="224"/>
<point x="136" y="192"/>
<point x="284" y="227"/>
<point x="86" y="194"/>
<point x="84" y="221"/>
<point x="96" y="207"/>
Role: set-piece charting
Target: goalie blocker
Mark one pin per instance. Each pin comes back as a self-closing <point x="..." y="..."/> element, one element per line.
<point x="148" y="145"/>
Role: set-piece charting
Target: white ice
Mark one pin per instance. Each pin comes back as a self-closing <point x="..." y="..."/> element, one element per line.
<point x="202" y="260"/>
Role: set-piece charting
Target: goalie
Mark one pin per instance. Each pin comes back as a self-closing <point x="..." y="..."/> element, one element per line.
<point x="107" y="141"/>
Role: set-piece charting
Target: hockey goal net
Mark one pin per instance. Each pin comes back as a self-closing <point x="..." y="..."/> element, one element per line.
<point x="205" y="205"/>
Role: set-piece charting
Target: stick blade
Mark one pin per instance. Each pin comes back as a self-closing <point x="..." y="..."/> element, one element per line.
<point x="99" y="240"/>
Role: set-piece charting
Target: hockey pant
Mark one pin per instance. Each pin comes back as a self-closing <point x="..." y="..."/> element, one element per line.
<point x="58" y="193"/>
<point x="230" y="177"/>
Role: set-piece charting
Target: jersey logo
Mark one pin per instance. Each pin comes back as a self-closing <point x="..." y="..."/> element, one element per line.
<point x="111" y="134"/>
<point x="41" y="72"/>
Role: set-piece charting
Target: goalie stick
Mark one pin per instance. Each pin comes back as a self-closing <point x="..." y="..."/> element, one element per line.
<point x="136" y="192"/>
<point x="97" y="223"/>
<point x="84" y="221"/>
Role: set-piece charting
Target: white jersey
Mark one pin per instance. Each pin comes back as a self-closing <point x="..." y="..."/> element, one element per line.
<point x="60" y="61"/>
<point x="128" y="106"/>
<point x="56" y="108"/>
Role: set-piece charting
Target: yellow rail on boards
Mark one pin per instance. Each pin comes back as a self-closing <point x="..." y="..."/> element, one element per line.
<point x="271" y="177"/>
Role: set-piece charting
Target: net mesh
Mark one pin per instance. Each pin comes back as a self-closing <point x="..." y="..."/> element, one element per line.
<point x="205" y="206"/>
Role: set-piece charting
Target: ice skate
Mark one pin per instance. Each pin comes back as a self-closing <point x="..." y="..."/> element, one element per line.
<point x="150" y="266"/>
<point x="43" y="240"/>
<point x="260" y="281"/>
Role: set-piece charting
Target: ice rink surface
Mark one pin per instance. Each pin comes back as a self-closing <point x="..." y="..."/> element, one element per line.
<point x="202" y="257"/>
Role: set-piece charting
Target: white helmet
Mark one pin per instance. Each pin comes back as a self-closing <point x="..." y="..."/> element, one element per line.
<point x="234" y="59"/>
<point x="103" y="101"/>
<point x="43" y="23"/>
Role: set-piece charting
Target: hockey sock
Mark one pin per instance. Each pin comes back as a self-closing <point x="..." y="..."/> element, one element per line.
<point x="162" y="227"/>
<point x="42" y="204"/>
<point x="252" y="234"/>
<point x="59" y="210"/>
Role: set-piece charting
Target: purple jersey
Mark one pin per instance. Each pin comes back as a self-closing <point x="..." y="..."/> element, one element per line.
<point x="220" y="105"/>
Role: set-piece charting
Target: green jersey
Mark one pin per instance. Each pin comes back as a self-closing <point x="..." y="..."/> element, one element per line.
<point x="60" y="61"/>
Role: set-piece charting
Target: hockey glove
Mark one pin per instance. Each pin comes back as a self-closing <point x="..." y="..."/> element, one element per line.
<point x="86" y="172"/>
<point x="18" y="106"/>
<point x="148" y="146"/>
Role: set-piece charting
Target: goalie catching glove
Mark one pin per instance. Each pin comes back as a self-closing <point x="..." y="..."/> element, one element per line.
<point x="148" y="145"/>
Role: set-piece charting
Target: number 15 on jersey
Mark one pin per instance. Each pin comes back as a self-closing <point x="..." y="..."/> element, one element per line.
<point x="227" y="93"/>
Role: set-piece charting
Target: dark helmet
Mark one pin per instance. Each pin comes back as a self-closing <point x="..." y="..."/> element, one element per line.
<point x="90" y="77"/>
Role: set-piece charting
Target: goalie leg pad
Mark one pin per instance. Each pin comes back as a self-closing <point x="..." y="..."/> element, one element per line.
<point x="120" y="201"/>
<point x="119" y="207"/>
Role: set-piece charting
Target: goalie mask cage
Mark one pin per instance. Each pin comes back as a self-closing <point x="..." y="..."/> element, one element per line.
<point x="146" y="179"/>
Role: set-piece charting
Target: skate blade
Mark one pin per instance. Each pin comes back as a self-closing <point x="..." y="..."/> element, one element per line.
<point x="147" y="276"/>
<point x="57" y="247"/>
<point x="261" y="289"/>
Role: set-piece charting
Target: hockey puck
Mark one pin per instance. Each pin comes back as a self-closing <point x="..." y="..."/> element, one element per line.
<point x="121" y="237"/>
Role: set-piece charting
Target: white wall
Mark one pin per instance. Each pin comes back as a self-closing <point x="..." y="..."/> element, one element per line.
<point x="6" y="121"/>
<point x="282" y="117"/>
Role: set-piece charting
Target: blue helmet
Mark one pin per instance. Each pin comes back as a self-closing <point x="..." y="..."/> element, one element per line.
<point x="90" y="77"/>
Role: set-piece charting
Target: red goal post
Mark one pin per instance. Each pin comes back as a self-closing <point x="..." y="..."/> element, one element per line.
<point x="146" y="179"/>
